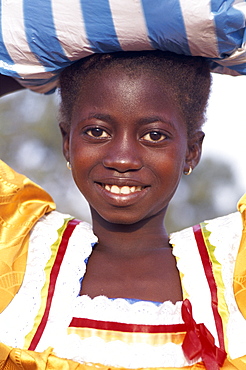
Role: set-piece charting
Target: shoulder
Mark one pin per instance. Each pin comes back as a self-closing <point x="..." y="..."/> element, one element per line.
<point x="57" y="250"/>
<point x="222" y="233"/>
<point x="52" y="226"/>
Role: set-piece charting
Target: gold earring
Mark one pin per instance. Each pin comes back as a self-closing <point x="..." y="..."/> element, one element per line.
<point x="68" y="165"/>
<point x="187" y="173"/>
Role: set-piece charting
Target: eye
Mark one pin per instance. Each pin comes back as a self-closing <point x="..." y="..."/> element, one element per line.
<point x="97" y="132"/>
<point x="154" y="136"/>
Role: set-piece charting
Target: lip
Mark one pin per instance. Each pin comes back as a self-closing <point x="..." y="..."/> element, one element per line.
<point x="121" y="199"/>
<point x="121" y="181"/>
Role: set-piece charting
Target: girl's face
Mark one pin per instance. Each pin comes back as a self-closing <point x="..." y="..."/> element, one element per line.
<point x="128" y="145"/>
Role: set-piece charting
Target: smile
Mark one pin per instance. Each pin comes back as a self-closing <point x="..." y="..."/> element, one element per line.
<point x="125" y="190"/>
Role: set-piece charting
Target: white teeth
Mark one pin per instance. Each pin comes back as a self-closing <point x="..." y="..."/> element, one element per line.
<point x="115" y="189"/>
<point x="122" y="189"/>
<point x="125" y="190"/>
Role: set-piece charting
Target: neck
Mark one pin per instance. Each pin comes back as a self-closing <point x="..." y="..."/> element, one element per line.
<point x="134" y="239"/>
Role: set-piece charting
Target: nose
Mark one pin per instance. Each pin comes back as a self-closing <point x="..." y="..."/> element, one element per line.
<point x="123" y="156"/>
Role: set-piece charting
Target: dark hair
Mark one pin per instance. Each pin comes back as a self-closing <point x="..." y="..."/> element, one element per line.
<point x="188" y="79"/>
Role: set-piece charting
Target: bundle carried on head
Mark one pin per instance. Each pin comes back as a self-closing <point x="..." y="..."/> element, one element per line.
<point x="40" y="38"/>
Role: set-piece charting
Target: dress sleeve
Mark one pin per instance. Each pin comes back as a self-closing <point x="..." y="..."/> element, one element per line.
<point x="22" y="204"/>
<point x="239" y="281"/>
<point x="15" y="359"/>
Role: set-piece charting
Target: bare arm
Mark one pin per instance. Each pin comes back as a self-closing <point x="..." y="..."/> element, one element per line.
<point x="8" y="85"/>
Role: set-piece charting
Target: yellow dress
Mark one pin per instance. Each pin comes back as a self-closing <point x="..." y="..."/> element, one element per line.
<point x="25" y="207"/>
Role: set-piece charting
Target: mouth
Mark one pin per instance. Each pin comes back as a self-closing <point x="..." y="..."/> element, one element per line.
<point x="124" y="190"/>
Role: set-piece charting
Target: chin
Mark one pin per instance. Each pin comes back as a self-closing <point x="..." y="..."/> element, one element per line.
<point x="116" y="218"/>
<point x="135" y="221"/>
<point x="122" y="221"/>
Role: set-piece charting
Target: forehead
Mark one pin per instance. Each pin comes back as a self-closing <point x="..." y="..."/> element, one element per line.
<point x="132" y="72"/>
<point x="121" y="83"/>
<point x="124" y="95"/>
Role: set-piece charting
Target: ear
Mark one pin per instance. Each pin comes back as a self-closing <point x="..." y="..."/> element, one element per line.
<point x="65" y="140"/>
<point x="194" y="151"/>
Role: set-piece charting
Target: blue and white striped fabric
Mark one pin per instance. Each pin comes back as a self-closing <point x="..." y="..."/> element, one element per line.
<point x="38" y="38"/>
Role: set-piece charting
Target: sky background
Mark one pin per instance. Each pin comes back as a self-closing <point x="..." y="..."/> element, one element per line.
<point x="225" y="128"/>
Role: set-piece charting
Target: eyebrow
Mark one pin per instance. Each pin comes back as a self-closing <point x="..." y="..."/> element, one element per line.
<point x="142" y="121"/>
<point x="101" y="116"/>
<point x="152" y="119"/>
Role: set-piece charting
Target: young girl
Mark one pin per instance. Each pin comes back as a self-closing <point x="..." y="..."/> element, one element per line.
<point x="131" y="296"/>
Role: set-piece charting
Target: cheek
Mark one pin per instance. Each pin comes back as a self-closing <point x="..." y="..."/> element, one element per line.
<point x="179" y="156"/>
<point x="84" y="161"/>
<point x="79" y="153"/>
<point x="169" y="162"/>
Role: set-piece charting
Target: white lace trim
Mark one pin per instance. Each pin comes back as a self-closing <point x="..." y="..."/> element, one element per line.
<point x="120" y="310"/>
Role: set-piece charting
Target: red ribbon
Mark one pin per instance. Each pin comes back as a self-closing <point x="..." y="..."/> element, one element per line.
<point x="199" y="342"/>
